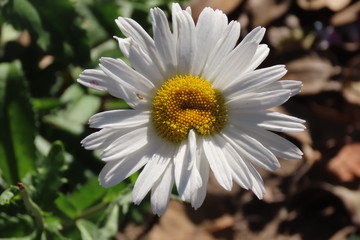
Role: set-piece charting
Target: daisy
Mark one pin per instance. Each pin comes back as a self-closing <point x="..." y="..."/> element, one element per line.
<point x="198" y="105"/>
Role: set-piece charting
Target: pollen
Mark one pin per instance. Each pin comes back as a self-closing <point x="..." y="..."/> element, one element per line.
<point x="187" y="102"/>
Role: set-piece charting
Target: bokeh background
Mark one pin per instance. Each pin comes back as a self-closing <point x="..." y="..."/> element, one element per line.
<point x="44" y="46"/>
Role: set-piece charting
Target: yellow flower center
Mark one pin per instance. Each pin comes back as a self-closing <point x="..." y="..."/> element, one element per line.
<point x="187" y="102"/>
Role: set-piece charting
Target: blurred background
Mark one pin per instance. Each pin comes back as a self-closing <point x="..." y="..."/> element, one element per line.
<point x="45" y="45"/>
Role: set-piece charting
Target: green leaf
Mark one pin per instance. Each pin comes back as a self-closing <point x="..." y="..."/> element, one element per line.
<point x="74" y="204"/>
<point x="111" y="225"/>
<point x="23" y="15"/>
<point x="88" y="230"/>
<point x="53" y="227"/>
<point x="76" y="115"/>
<point x="79" y="109"/>
<point x="91" y="231"/>
<point x="45" y="104"/>
<point x="17" y="149"/>
<point x="16" y="226"/>
<point x="8" y="194"/>
<point x="68" y="41"/>
<point x="72" y="93"/>
<point x="49" y="178"/>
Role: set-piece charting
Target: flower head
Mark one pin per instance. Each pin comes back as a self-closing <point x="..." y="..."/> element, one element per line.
<point x="198" y="104"/>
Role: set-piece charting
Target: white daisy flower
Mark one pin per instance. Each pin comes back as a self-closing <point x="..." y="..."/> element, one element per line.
<point x="198" y="104"/>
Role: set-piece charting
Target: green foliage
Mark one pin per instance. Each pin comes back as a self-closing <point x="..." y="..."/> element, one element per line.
<point x="8" y="194"/>
<point x="79" y="108"/>
<point x="48" y="182"/>
<point x="17" y="149"/>
<point x="74" y="204"/>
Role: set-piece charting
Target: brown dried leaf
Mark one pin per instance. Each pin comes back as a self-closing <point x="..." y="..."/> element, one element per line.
<point x="346" y="164"/>
<point x="176" y="225"/>
<point x="263" y="12"/>
<point x="226" y="6"/>
<point x="314" y="72"/>
<point x="351" y="90"/>
<point x="350" y="199"/>
<point x="346" y="16"/>
<point x="319" y="4"/>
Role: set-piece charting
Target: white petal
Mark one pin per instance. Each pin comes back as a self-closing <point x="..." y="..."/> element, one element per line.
<point x="276" y="144"/>
<point x="233" y="65"/>
<point x="185" y="42"/>
<point x="240" y="171"/>
<point x="132" y="29"/>
<point x="187" y="176"/>
<point x="259" y="100"/>
<point x="182" y="174"/>
<point x="197" y="197"/>
<point x="103" y="138"/>
<point x="261" y="53"/>
<point x="176" y="9"/>
<point x="160" y="192"/>
<point x="258" y="183"/>
<point x="152" y="171"/>
<point x="115" y="172"/>
<point x="141" y="61"/>
<point x="212" y="147"/>
<point x="251" y="149"/>
<point x="294" y="86"/>
<point x="127" y="77"/>
<point x="125" y="44"/>
<point x="98" y="80"/>
<point x="119" y="119"/>
<point x="210" y="25"/>
<point x="164" y="40"/>
<point x="127" y="144"/>
<point x="224" y="45"/>
<point x="256" y="35"/>
<point x="192" y="148"/>
<point x="272" y="121"/>
<point x="253" y="80"/>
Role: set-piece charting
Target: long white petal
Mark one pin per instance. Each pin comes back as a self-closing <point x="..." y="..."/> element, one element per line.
<point x="272" y="121"/>
<point x="152" y="171"/>
<point x="164" y="41"/>
<point x="261" y="53"/>
<point x="224" y="45"/>
<point x="160" y="192"/>
<point x="240" y="171"/>
<point x="98" y="80"/>
<point x="121" y="147"/>
<point x="132" y="29"/>
<point x="257" y="181"/>
<point x="103" y="138"/>
<point x="251" y="149"/>
<point x="251" y="81"/>
<point x="115" y="172"/>
<point x="233" y="65"/>
<point x="276" y="144"/>
<point x="185" y="42"/>
<point x="210" y="25"/>
<point x="212" y="148"/>
<point x="256" y="35"/>
<point x="141" y="61"/>
<point x="187" y="176"/>
<point x="176" y="9"/>
<point x="119" y="119"/>
<point x="127" y="77"/>
<point x="259" y="100"/>
<point x="202" y="164"/>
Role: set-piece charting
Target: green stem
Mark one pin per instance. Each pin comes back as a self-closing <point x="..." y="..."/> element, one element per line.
<point x="33" y="209"/>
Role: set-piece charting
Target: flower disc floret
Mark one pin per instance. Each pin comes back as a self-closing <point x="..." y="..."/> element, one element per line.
<point x="187" y="102"/>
